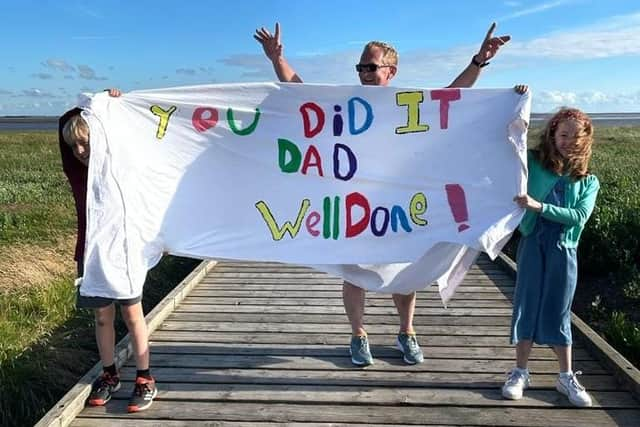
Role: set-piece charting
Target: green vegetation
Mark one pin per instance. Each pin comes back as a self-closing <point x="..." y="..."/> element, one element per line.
<point x="36" y="204"/>
<point x="46" y="344"/>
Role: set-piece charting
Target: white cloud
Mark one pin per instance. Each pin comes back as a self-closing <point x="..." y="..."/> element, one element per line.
<point x="591" y="101"/>
<point x="186" y="71"/>
<point x="616" y="36"/>
<point x="42" y="76"/>
<point x="58" y="65"/>
<point x="88" y="73"/>
<point x="37" y="93"/>
<point x="535" y="9"/>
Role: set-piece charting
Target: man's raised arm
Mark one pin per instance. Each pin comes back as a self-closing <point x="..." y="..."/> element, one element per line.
<point x="273" y="50"/>
<point x="488" y="50"/>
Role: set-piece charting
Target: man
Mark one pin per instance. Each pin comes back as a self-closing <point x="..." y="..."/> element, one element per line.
<point x="378" y="65"/>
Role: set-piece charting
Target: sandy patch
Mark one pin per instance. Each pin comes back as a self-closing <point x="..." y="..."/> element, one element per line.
<point x="25" y="265"/>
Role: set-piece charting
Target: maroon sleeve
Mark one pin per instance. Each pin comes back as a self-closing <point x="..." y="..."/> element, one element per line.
<point x="76" y="173"/>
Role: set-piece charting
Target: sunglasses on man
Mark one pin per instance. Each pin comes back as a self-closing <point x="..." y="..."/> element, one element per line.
<point x="370" y="68"/>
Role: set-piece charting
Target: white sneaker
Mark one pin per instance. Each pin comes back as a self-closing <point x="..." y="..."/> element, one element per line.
<point x="570" y="387"/>
<point x="516" y="383"/>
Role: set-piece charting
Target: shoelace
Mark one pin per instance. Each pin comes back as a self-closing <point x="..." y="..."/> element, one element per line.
<point x="142" y="389"/>
<point x="107" y="381"/>
<point x="412" y="342"/>
<point x="513" y="376"/>
<point x="574" y="381"/>
<point x="362" y="343"/>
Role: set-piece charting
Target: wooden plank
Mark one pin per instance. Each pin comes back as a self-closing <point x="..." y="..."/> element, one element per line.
<point x="310" y="328"/>
<point x="277" y="294"/>
<point x="362" y="395"/>
<point x="412" y="415"/>
<point x="503" y="353"/>
<point x="360" y="377"/>
<point x="338" y="318"/>
<point x="100" y="422"/>
<point x="387" y="364"/>
<point x="205" y="306"/>
<point x="328" y="339"/>
<point x="338" y="302"/>
<point x="310" y="282"/>
<point x="336" y="287"/>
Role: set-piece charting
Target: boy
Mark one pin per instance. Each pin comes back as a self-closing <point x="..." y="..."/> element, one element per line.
<point x="73" y="136"/>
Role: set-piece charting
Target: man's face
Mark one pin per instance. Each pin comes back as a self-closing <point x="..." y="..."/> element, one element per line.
<point x="382" y="75"/>
<point x="80" y="147"/>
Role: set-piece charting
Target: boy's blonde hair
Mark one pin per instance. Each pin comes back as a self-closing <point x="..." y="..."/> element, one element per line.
<point x="75" y="129"/>
<point x="389" y="54"/>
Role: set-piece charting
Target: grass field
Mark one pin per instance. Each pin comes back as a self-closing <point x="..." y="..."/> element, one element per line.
<point x="46" y="345"/>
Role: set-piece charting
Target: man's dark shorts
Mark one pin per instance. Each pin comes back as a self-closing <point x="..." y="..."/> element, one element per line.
<point x="101" y="302"/>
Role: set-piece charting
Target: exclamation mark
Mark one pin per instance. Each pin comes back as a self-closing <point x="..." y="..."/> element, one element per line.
<point x="458" y="204"/>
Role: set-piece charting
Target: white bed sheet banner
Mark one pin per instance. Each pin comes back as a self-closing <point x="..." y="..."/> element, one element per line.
<point x="390" y="188"/>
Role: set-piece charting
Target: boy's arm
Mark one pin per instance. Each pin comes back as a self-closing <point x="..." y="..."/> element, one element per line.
<point x="488" y="50"/>
<point x="273" y="50"/>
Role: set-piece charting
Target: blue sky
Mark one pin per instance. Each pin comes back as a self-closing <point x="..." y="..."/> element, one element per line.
<point x="584" y="53"/>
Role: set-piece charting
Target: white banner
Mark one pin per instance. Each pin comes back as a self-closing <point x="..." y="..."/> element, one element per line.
<point x="417" y="180"/>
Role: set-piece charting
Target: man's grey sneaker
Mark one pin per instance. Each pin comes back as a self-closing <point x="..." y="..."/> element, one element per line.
<point x="570" y="387"/>
<point x="408" y="345"/>
<point x="143" y="394"/>
<point x="103" y="388"/>
<point x="359" y="350"/>
<point x="517" y="381"/>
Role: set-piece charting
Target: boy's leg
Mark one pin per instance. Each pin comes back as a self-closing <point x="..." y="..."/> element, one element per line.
<point x="105" y="333"/>
<point x="406" y="340"/>
<point x="137" y="326"/>
<point x="109" y="382"/>
<point x="145" y="387"/>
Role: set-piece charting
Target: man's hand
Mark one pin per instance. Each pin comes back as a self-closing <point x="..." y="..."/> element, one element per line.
<point x="115" y="92"/>
<point x="521" y="89"/>
<point x="528" y="202"/>
<point x="490" y="45"/>
<point x="270" y="42"/>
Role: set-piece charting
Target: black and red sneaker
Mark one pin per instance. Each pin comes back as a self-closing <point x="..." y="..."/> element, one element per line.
<point x="103" y="388"/>
<point x="143" y="394"/>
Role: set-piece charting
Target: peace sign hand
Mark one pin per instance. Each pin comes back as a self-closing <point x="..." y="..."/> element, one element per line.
<point x="270" y="42"/>
<point x="490" y="45"/>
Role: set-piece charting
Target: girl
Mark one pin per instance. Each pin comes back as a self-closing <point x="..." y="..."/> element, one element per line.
<point x="561" y="196"/>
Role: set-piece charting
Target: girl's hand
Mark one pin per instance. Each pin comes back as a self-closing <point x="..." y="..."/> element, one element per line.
<point x="114" y="92"/>
<point x="528" y="202"/>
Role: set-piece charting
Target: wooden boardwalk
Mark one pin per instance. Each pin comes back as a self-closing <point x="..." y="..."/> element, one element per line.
<point x="258" y="344"/>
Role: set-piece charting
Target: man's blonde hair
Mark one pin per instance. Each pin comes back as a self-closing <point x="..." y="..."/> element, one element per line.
<point x="75" y="129"/>
<point x="389" y="54"/>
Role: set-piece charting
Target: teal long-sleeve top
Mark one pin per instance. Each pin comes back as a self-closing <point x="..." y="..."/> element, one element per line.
<point x="579" y="201"/>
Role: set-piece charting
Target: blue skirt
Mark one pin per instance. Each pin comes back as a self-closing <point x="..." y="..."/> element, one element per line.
<point x="545" y="286"/>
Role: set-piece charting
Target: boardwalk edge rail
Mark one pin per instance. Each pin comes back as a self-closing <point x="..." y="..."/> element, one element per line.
<point x="627" y="375"/>
<point x="72" y="403"/>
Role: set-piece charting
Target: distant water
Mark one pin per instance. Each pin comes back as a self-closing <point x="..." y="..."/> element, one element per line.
<point x="28" y="123"/>
<point x="599" y="119"/>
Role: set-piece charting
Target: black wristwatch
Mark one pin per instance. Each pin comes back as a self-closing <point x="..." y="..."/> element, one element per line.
<point x="478" y="64"/>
